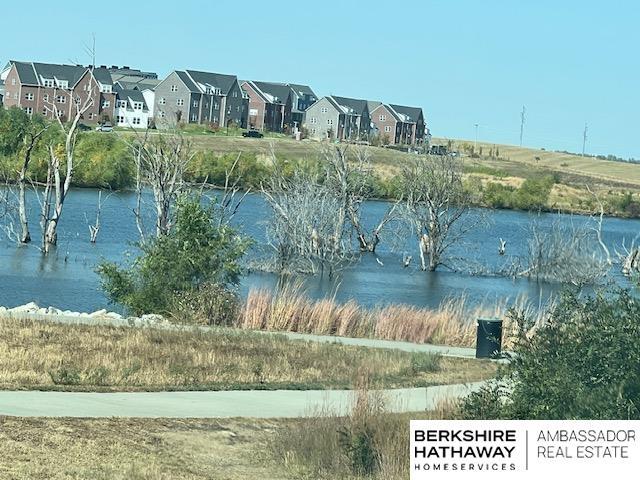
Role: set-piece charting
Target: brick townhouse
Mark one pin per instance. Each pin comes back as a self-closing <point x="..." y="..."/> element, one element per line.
<point x="46" y="88"/>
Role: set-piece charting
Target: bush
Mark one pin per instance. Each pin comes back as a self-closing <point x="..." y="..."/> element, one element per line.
<point x="583" y="363"/>
<point x="196" y="252"/>
<point x="210" y="304"/>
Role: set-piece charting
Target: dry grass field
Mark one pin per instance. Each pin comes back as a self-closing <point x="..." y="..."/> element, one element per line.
<point x="101" y="358"/>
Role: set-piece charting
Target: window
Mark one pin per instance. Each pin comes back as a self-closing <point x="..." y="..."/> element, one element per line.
<point x="194" y="118"/>
<point x="162" y="114"/>
<point x="121" y="104"/>
<point x="174" y="88"/>
<point x="387" y="128"/>
<point x="324" y="109"/>
<point x="106" y="104"/>
<point x="383" y="118"/>
<point x="63" y="84"/>
<point x="45" y="111"/>
<point x="313" y="131"/>
<point x="45" y="97"/>
<point x="48" y="83"/>
<point x="78" y="101"/>
<point x="28" y="110"/>
<point x="314" y="120"/>
<point x="215" y="105"/>
<point x="330" y="121"/>
<point x="195" y="103"/>
<point x="28" y="96"/>
<point x="136" y="120"/>
<point x="91" y="115"/>
<point x="180" y="102"/>
<point x="15" y="95"/>
<point x="162" y="101"/>
<point x="235" y="94"/>
<point x="238" y="108"/>
<point x="106" y="88"/>
<point x="137" y="105"/>
<point x="13" y="81"/>
<point x="61" y="99"/>
<point x="120" y="119"/>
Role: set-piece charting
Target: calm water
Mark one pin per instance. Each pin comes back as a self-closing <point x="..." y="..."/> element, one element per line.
<point x="25" y="275"/>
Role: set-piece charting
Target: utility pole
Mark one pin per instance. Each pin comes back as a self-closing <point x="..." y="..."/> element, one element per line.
<point x="475" y="145"/>
<point x="522" y="123"/>
<point x="584" y="138"/>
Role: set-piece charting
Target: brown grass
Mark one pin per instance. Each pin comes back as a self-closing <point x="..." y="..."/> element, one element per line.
<point x="137" y="449"/>
<point x="35" y="354"/>
<point x="453" y="323"/>
<point x="322" y="447"/>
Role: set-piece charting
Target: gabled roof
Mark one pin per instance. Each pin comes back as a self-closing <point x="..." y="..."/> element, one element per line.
<point x="302" y="89"/>
<point x="407" y="114"/>
<point x="135" y="83"/>
<point x="187" y="81"/>
<point x="32" y="73"/>
<point x="131" y="96"/>
<point x="373" y="104"/>
<point x="387" y="108"/>
<point x="350" y="105"/>
<point x="216" y="80"/>
<point x="273" y="92"/>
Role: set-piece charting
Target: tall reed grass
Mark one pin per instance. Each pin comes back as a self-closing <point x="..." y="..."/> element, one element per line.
<point x="452" y="323"/>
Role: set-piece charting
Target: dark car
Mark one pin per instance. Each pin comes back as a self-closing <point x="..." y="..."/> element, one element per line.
<point x="253" y="133"/>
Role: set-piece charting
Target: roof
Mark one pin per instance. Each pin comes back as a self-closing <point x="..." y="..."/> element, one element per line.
<point x="407" y="114"/>
<point x="132" y="72"/>
<point x="31" y="73"/>
<point x="373" y="104"/>
<point x="135" y="83"/>
<point x="132" y="96"/>
<point x="217" y="80"/>
<point x="302" y="90"/>
<point x="350" y="105"/>
<point x="274" y="92"/>
<point x="187" y="81"/>
<point x="394" y="114"/>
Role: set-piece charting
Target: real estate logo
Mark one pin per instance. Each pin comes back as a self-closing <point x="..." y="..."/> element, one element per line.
<point x="522" y="449"/>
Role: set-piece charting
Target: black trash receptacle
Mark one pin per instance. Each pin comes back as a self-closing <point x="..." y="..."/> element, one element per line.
<point x="489" y="337"/>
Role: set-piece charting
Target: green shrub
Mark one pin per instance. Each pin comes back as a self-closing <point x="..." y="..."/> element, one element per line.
<point x="584" y="363"/>
<point x="196" y="252"/>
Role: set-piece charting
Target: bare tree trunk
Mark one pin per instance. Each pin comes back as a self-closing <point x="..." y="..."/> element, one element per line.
<point x="25" y="235"/>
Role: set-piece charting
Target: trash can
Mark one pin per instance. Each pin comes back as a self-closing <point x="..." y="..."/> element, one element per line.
<point x="489" y="337"/>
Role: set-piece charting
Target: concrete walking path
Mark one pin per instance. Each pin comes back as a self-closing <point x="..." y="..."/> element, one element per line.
<point x="225" y="404"/>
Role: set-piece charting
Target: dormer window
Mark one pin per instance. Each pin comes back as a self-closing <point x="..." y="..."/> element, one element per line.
<point x="63" y="84"/>
<point x="47" y="82"/>
<point x="106" y="88"/>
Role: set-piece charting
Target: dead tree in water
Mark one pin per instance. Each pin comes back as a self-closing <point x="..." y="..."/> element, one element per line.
<point x="351" y="182"/>
<point x="305" y="230"/>
<point x="435" y="206"/>
<point x="94" y="228"/>
<point x="161" y="162"/>
<point x="61" y="159"/>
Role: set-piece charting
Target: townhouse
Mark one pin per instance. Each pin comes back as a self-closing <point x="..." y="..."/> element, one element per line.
<point x="54" y="89"/>
<point x="277" y="107"/>
<point x="397" y="124"/>
<point x="338" y="118"/>
<point x="191" y="96"/>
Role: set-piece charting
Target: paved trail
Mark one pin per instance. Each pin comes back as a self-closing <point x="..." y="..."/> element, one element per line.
<point x="257" y="404"/>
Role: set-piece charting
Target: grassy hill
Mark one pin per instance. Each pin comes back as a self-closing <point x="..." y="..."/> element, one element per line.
<point x="617" y="184"/>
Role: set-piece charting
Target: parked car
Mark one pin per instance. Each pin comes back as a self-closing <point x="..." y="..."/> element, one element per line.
<point x="253" y="133"/>
<point x="104" y="127"/>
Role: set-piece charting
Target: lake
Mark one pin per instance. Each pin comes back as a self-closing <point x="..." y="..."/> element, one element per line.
<point x="66" y="279"/>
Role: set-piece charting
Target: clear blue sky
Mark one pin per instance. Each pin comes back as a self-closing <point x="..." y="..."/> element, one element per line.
<point x="464" y="62"/>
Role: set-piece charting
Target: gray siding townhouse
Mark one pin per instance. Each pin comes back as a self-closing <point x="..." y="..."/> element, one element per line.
<point x="191" y="96"/>
<point x="338" y="118"/>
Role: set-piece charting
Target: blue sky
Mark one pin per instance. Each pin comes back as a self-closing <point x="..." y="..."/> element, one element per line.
<point x="465" y="62"/>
